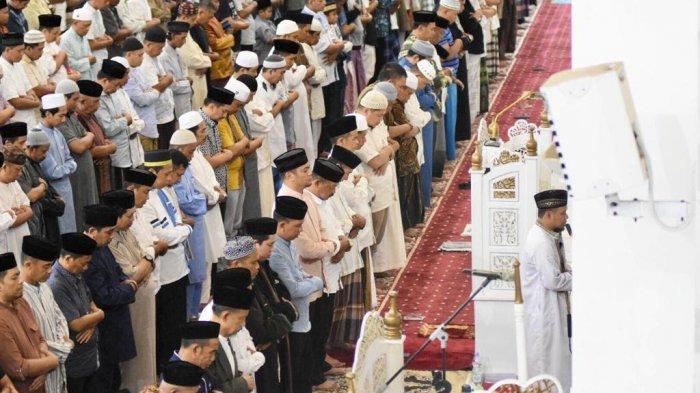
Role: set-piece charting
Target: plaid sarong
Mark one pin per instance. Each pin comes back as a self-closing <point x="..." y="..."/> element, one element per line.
<point x="349" y="309"/>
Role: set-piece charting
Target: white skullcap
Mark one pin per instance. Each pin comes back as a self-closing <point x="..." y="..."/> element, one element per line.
<point x="450" y="4"/>
<point x="374" y="100"/>
<point x="316" y="25"/>
<point x="182" y="137"/>
<point x="287" y="27"/>
<point x="34" y="37"/>
<point x="274" y="62"/>
<point x="67" y="86"/>
<point x="387" y="89"/>
<point x="411" y="80"/>
<point x="121" y="61"/>
<point x="426" y="68"/>
<point x="361" y="122"/>
<point x="53" y="101"/>
<point x="83" y="14"/>
<point x="239" y="89"/>
<point x="37" y="137"/>
<point x="190" y="119"/>
<point x="247" y="59"/>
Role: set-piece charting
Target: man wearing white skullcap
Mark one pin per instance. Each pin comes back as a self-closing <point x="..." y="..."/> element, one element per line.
<point x="419" y="114"/>
<point x="34" y="43"/>
<point x="193" y="203"/>
<point x="59" y="163"/>
<point x="378" y="166"/>
<point x="246" y="63"/>
<point x="215" y="237"/>
<point x="75" y="43"/>
<point x="268" y="125"/>
<point x="43" y="198"/>
<point x="286" y="29"/>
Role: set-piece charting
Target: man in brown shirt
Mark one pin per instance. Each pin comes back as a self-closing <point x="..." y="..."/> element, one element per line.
<point x="24" y="355"/>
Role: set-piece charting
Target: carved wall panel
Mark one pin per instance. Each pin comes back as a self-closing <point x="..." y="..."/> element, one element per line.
<point x="503" y="225"/>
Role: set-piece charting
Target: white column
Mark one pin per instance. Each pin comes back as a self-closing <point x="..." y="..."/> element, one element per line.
<point x="394" y="361"/>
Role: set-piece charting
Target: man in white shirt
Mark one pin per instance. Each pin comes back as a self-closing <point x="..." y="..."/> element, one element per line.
<point x="14" y="85"/>
<point x="266" y="121"/>
<point x="296" y="172"/>
<point x="153" y="44"/>
<point x="97" y="35"/>
<point x="174" y="65"/>
<point x="13" y="201"/>
<point x="377" y="155"/>
<point x="162" y="212"/>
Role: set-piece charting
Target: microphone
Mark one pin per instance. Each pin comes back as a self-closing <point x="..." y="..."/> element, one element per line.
<point x="504" y="275"/>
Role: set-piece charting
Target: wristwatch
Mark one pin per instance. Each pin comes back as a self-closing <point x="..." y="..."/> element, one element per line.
<point x="149" y="259"/>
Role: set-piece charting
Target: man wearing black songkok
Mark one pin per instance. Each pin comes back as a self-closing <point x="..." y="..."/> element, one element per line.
<point x="547" y="280"/>
<point x="113" y="291"/>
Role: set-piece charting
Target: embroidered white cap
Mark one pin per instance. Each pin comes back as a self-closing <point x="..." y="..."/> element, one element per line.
<point x="53" y="101"/>
<point x="361" y="122"/>
<point x="190" y="119"/>
<point x="37" y="137"/>
<point x="274" y="61"/>
<point x="247" y="59"/>
<point x="426" y="68"/>
<point x="34" y="37"/>
<point x="450" y="4"/>
<point x="182" y="137"/>
<point x="121" y="61"/>
<point x="287" y="27"/>
<point x="411" y="80"/>
<point x="316" y="25"/>
<point x="239" y="89"/>
<point x="67" y="86"/>
<point x="83" y="14"/>
<point x="374" y="100"/>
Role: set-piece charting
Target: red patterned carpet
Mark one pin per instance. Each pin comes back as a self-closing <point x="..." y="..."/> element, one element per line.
<point x="432" y="284"/>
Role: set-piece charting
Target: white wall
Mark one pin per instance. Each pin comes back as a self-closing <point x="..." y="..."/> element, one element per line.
<point x="634" y="287"/>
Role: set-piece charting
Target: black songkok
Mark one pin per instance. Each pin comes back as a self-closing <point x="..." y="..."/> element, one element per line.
<point x="328" y="170"/>
<point x="551" y="199"/>
<point x="262" y="226"/>
<point x="40" y="249"/>
<point x="290" y="207"/>
<point x="78" y="243"/>
<point x="290" y="160"/>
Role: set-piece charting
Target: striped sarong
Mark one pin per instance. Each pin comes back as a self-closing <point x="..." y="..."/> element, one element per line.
<point x="349" y="309"/>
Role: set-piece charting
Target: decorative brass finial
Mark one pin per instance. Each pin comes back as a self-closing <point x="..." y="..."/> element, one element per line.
<point x="476" y="158"/>
<point x="494" y="131"/>
<point x="350" y="377"/>
<point x="518" y="289"/>
<point x="531" y="144"/>
<point x="544" y="118"/>
<point x="392" y="319"/>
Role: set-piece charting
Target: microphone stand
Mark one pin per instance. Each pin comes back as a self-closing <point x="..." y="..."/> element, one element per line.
<point x="441" y="335"/>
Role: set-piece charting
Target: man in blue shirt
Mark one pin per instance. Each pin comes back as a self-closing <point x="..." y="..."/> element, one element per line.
<point x="284" y="260"/>
<point x="75" y="301"/>
<point x="113" y="291"/>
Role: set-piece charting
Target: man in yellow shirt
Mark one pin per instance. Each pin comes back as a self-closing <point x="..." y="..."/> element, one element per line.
<point x="233" y="139"/>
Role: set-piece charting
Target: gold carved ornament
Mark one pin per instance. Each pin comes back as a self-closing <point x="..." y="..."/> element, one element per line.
<point x="506" y="158"/>
<point x="477" y="158"/>
<point x="392" y="319"/>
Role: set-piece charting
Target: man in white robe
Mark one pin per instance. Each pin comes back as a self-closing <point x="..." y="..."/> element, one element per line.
<point x="265" y="121"/>
<point x="377" y="155"/>
<point x="546" y="282"/>
<point x="205" y="179"/>
<point x="14" y="203"/>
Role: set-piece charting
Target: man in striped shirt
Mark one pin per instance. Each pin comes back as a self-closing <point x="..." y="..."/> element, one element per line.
<point x="38" y="256"/>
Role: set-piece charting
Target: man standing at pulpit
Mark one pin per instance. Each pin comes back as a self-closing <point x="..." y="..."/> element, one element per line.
<point x="546" y="282"/>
